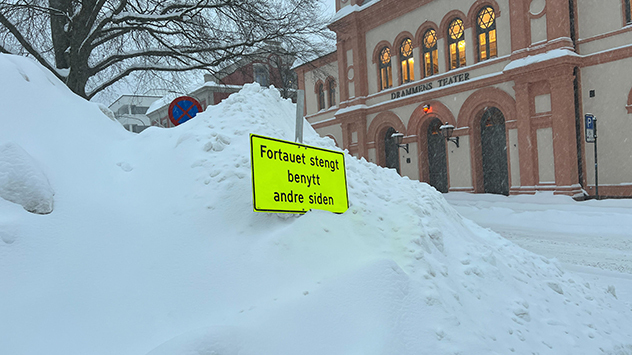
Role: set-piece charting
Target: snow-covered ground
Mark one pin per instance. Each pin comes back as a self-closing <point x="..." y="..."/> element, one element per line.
<point x="118" y="243"/>
<point x="591" y="237"/>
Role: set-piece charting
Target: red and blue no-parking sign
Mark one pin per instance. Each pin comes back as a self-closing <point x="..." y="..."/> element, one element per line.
<point x="183" y="109"/>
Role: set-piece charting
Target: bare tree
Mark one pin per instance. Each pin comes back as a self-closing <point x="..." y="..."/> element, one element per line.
<point x="92" y="44"/>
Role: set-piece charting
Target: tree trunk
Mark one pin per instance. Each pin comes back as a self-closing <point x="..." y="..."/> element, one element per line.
<point x="61" y="40"/>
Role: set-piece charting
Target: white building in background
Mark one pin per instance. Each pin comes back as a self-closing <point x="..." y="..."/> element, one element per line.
<point x="130" y="111"/>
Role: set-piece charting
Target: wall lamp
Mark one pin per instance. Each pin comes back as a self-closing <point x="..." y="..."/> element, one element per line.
<point x="398" y="137"/>
<point x="446" y="132"/>
<point x="426" y="108"/>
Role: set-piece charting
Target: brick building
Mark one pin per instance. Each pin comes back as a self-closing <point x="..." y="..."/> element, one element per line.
<point x="514" y="77"/>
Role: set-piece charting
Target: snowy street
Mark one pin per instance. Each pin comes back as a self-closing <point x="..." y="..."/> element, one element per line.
<point x="592" y="237"/>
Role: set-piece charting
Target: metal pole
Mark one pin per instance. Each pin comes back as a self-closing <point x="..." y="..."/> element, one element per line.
<point x="596" y="165"/>
<point x="300" y="104"/>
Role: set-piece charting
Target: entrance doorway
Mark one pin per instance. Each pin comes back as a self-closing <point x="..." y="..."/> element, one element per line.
<point x="437" y="166"/>
<point x="494" y="152"/>
<point x="391" y="150"/>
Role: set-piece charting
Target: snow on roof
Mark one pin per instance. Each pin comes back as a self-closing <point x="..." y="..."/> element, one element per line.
<point x="160" y="103"/>
<point x="217" y="85"/>
<point x="346" y="10"/>
<point x="302" y="61"/>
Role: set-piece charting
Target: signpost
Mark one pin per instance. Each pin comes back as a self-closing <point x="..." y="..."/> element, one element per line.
<point x="590" y="128"/>
<point x="590" y="123"/>
<point x="300" y="104"/>
<point x="289" y="177"/>
<point x="183" y="109"/>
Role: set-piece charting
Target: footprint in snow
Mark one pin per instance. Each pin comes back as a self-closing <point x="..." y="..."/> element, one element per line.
<point x="125" y="166"/>
<point x="7" y="235"/>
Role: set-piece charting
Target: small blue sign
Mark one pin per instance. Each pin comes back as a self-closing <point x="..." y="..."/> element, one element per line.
<point x="590" y="128"/>
<point x="183" y="109"/>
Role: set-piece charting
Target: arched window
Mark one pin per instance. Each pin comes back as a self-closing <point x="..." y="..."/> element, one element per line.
<point x="331" y="91"/>
<point x="456" y="43"/>
<point x="628" y="11"/>
<point x="386" y="74"/>
<point x="321" y="96"/>
<point x="431" y="56"/>
<point x="486" y="31"/>
<point x="406" y="60"/>
<point x="261" y="74"/>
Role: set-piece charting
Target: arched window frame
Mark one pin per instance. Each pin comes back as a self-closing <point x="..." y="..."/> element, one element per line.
<point x="430" y="54"/>
<point x="486" y="38"/>
<point x="261" y="74"/>
<point x="331" y="92"/>
<point x="385" y="69"/>
<point x="456" y="44"/>
<point x="406" y="61"/>
<point x="320" y="95"/>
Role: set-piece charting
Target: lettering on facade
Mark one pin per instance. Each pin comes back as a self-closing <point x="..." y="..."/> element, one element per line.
<point x="428" y="86"/>
<point x="410" y="91"/>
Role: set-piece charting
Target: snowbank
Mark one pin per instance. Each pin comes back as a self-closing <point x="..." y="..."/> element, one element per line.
<point x="154" y="249"/>
<point x="22" y="181"/>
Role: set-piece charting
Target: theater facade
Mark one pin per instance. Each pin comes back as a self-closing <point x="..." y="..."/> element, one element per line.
<point x="514" y="77"/>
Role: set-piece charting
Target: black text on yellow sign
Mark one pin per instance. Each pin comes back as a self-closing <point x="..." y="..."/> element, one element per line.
<point x="288" y="177"/>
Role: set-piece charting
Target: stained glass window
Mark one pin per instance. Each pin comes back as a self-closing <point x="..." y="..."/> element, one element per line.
<point x="407" y="61"/>
<point x="386" y="74"/>
<point x="431" y="57"/>
<point x="486" y="30"/>
<point x="456" y="43"/>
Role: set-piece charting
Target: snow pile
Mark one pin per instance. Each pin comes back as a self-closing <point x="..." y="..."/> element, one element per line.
<point x="22" y="181"/>
<point x="154" y="249"/>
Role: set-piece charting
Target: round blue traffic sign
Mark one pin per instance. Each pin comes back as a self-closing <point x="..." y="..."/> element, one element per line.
<point x="183" y="109"/>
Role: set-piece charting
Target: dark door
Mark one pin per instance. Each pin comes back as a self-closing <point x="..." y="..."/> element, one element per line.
<point x="438" y="168"/>
<point x="391" y="150"/>
<point x="494" y="152"/>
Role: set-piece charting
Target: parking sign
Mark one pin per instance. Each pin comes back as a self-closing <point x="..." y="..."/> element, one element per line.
<point x="590" y="128"/>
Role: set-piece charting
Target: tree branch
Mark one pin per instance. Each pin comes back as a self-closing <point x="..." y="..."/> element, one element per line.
<point x="130" y="70"/>
<point x="27" y="45"/>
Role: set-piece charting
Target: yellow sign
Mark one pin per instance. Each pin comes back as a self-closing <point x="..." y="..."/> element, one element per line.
<point x="294" y="178"/>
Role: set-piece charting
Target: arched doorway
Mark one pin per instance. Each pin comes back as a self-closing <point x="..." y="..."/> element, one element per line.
<point x="391" y="150"/>
<point x="494" y="152"/>
<point x="437" y="166"/>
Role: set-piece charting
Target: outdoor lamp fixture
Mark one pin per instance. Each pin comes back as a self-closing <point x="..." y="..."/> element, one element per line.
<point x="446" y="132"/>
<point x="398" y="140"/>
<point x="426" y="108"/>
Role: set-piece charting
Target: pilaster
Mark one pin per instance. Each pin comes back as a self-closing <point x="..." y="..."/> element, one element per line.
<point x="354" y="123"/>
<point x="527" y="148"/>
<point x="563" y="122"/>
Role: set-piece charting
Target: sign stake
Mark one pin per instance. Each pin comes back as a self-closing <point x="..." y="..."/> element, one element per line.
<point x="300" y="104"/>
<point x="590" y="123"/>
<point x="596" y="165"/>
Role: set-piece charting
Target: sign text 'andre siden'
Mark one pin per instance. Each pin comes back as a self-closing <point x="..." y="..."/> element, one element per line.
<point x="289" y="177"/>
